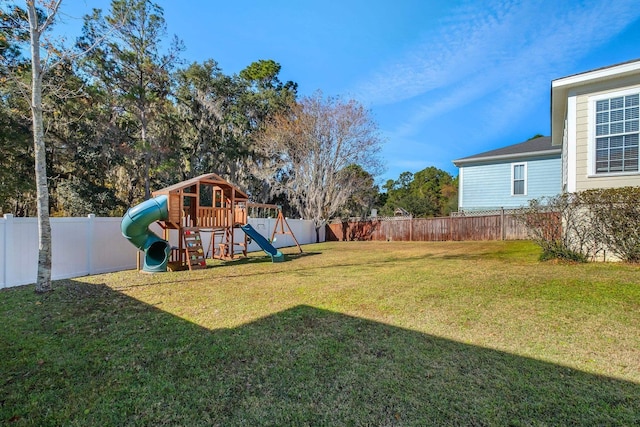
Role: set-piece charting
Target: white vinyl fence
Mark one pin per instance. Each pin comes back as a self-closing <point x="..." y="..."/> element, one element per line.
<point x="93" y="245"/>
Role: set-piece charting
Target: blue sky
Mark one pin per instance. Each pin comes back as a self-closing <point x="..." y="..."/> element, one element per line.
<point x="443" y="79"/>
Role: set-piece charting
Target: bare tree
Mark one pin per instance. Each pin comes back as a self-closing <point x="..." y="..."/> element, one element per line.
<point x="308" y="153"/>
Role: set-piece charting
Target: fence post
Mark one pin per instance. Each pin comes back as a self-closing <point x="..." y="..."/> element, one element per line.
<point x="411" y="228"/>
<point x="8" y="250"/>
<point x="450" y="221"/>
<point x="91" y="223"/>
<point x="502" y="230"/>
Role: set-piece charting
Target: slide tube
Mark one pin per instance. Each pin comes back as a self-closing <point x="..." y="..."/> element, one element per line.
<point x="135" y="228"/>
<point x="276" y="255"/>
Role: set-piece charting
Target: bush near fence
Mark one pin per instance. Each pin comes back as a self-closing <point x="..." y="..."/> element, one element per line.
<point x="501" y="226"/>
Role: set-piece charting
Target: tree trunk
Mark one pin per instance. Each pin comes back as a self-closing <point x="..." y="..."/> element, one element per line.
<point x="318" y="224"/>
<point x="146" y="153"/>
<point x="43" y="283"/>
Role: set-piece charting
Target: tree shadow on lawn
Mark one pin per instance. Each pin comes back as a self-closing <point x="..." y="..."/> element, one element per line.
<point x="93" y="356"/>
<point x="259" y="259"/>
<point x="180" y="276"/>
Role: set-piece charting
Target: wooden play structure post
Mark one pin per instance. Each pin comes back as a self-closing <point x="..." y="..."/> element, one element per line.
<point x="281" y="221"/>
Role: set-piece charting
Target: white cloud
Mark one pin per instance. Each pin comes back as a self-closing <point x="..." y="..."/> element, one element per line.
<point x="453" y="52"/>
<point x="498" y="59"/>
<point x="506" y="49"/>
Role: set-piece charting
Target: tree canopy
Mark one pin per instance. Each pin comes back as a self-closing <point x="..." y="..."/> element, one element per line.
<point x="129" y="116"/>
<point x="427" y="193"/>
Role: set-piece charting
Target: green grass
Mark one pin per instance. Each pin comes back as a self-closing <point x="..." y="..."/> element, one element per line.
<point x="350" y="333"/>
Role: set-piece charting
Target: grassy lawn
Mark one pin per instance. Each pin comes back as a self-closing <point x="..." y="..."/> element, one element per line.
<point x="355" y="334"/>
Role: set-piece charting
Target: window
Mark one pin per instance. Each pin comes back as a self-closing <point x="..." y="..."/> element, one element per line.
<point x="519" y="179"/>
<point x="616" y="134"/>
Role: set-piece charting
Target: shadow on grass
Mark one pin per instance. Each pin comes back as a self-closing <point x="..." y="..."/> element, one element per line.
<point x="87" y="355"/>
<point x="264" y="259"/>
<point x="181" y="276"/>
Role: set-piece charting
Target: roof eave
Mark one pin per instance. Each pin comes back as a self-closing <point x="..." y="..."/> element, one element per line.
<point x="605" y="73"/>
<point x="523" y="156"/>
<point x="562" y="87"/>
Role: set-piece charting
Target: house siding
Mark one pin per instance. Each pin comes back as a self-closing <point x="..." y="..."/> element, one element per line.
<point x="487" y="186"/>
<point x="584" y="181"/>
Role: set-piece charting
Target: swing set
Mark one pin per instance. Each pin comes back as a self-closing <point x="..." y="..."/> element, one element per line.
<point x="281" y="227"/>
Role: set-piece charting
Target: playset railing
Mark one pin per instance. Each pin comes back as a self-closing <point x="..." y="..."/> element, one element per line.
<point x="208" y="217"/>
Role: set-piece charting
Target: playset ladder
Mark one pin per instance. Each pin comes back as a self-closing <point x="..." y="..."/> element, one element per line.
<point x="193" y="248"/>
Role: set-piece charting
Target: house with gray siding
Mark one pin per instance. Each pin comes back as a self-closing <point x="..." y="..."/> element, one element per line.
<point x="509" y="177"/>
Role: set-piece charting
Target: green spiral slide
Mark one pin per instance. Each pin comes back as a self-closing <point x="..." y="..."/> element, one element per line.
<point x="135" y="228"/>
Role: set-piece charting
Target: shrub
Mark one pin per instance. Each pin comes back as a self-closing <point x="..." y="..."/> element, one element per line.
<point x="581" y="226"/>
<point x="558" y="225"/>
<point x="614" y="216"/>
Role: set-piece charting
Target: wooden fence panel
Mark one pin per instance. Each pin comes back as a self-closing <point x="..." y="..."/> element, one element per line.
<point x="431" y="229"/>
<point x="514" y="229"/>
<point x="486" y="227"/>
<point x="477" y="228"/>
<point x="396" y="230"/>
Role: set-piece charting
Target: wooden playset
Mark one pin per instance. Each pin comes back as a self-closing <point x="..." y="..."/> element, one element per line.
<point x="208" y="203"/>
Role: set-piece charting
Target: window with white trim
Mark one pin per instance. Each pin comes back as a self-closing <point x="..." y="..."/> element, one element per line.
<point x="616" y="134"/>
<point x="518" y="179"/>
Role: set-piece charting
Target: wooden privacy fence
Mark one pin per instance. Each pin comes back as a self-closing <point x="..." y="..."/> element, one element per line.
<point x="486" y="227"/>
